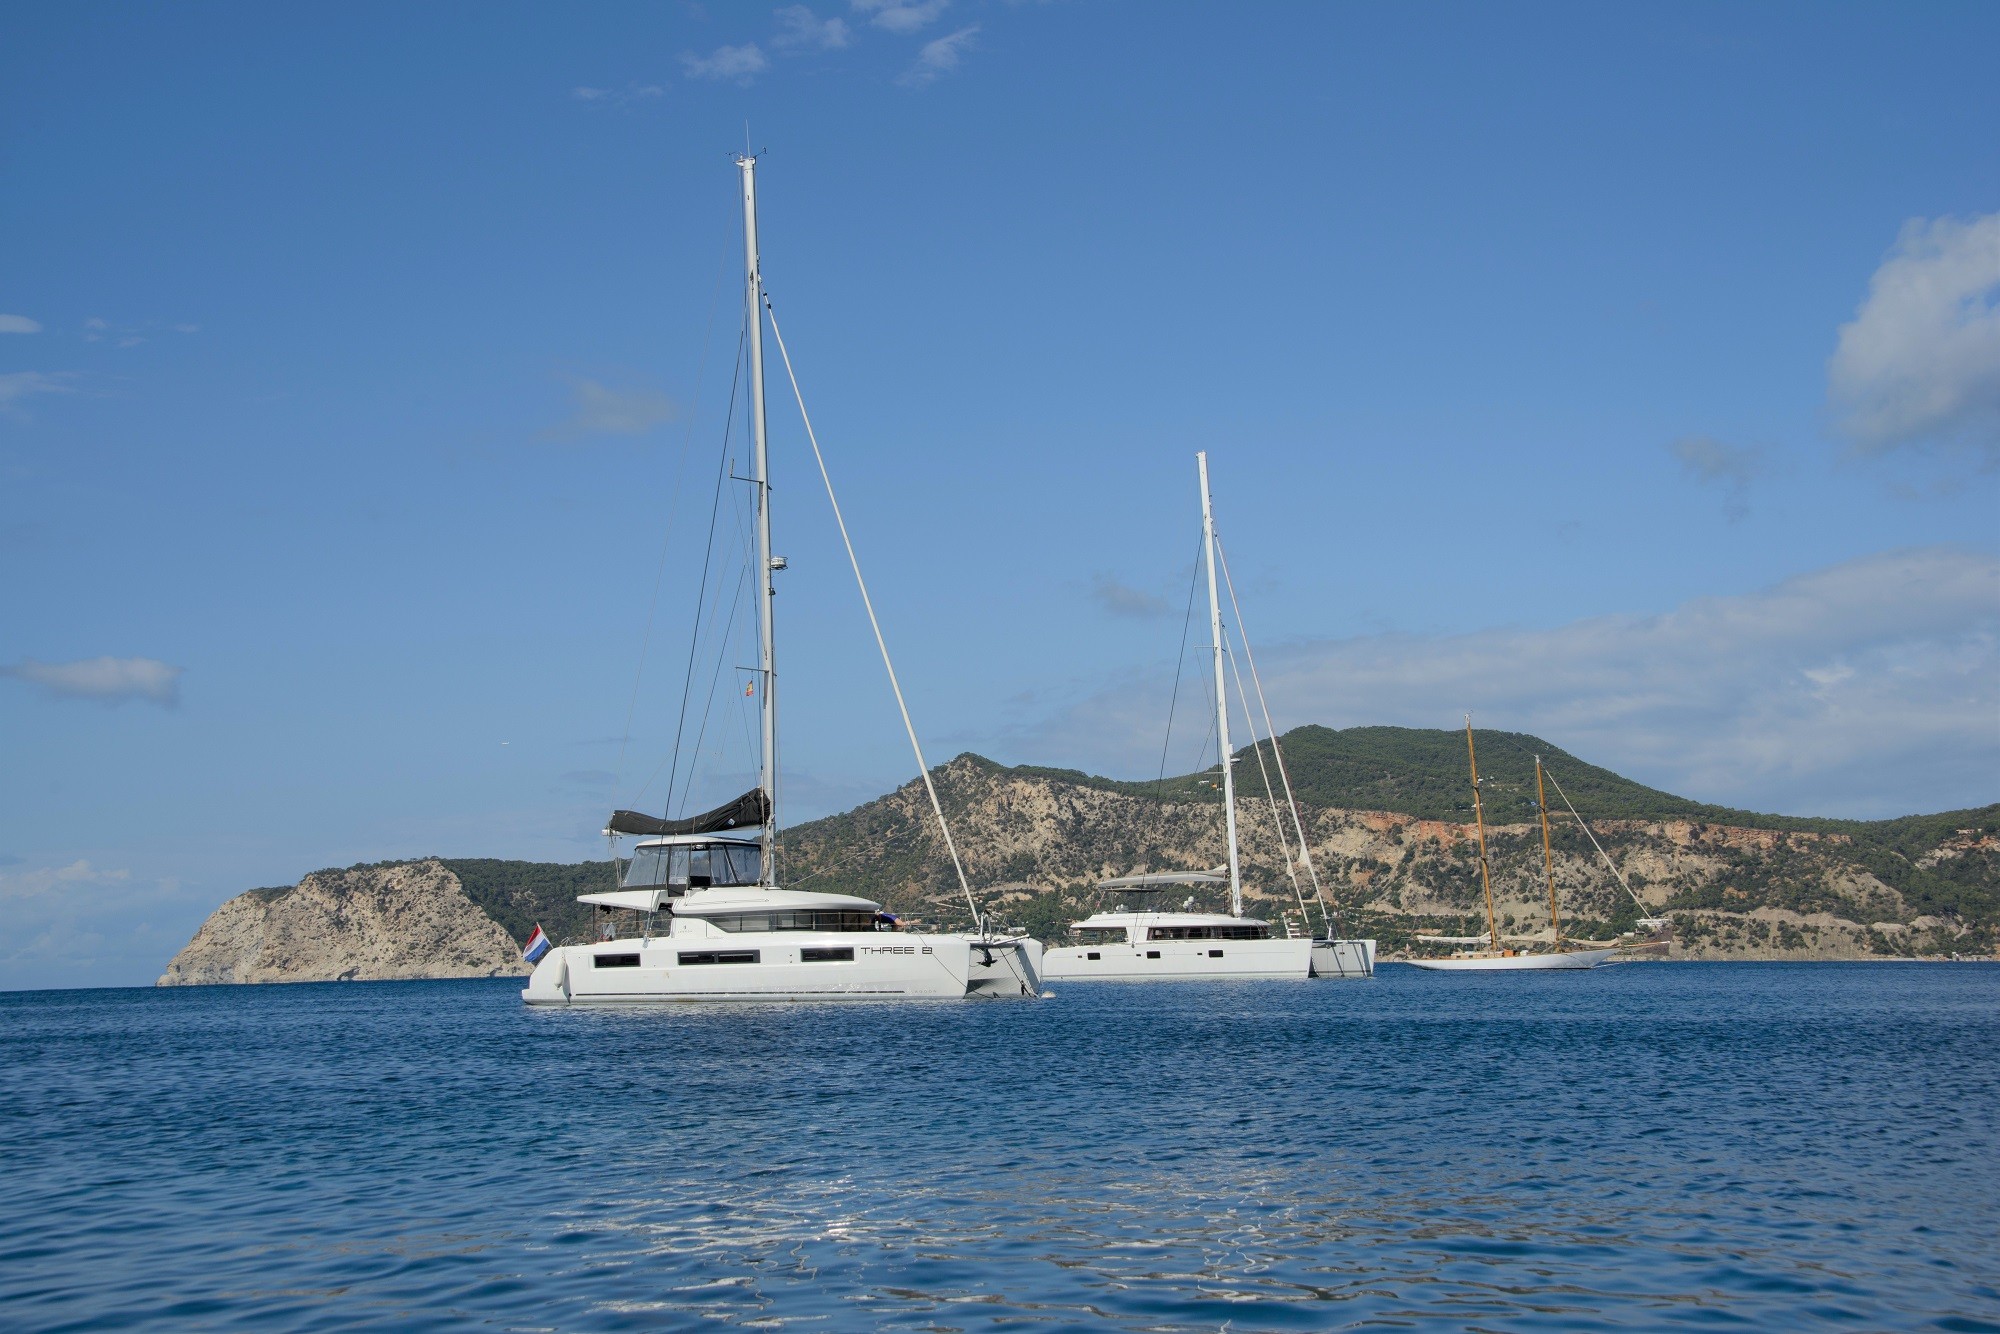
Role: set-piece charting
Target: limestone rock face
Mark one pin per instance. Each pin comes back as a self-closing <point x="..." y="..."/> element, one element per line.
<point x="369" y="923"/>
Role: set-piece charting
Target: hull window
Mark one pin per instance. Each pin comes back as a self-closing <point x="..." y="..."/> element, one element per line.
<point x="827" y="954"/>
<point x="1215" y="954"/>
<point x="1152" y="954"/>
<point x="1093" y="955"/>
<point x="717" y="956"/>
<point x="614" y="961"/>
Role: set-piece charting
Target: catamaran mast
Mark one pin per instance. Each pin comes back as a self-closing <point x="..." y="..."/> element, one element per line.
<point x="767" y="651"/>
<point x="1479" y="817"/>
<point x="1221" y="695"/>
<point x="1548" y="856"/>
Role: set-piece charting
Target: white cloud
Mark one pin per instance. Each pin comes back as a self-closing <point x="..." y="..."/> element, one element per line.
<point x="18" y="324"/>
<point x="938" y="57"/>
<point x="109" y="680"/>
<point x="901" y="16"/>
<point x="739" y="63"/>
<point x="17" y="385"/>
<point x="1870" y="688"/>
<point x="601" y="410"/>
<point x="1920" y="362"/>
<point x="800" y="29"/>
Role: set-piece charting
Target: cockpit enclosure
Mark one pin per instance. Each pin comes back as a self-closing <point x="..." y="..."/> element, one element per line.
<point x="684" y="863"/>
<point x="1102" y="935"/>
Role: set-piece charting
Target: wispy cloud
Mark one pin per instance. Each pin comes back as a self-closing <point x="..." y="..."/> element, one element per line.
<point x="618" y="97"/>
<point x="901" y="16"/>
<point x="1716" y="463"/>
<point x="18" y="385"/>
<point x="20" y="324"/>
<point x="739" y="64"/>
<point x="938" y="58"/>
<point x="106" y="680"/>
<point x="1868" y="688"/>
<point x="799" y="29"/>
<point x="39" y="881"/>
<point x="1122" y="599"/>
<point x="97" y="329"/>
<point x="1920" y="362"/>
<point x="602" y="410"/>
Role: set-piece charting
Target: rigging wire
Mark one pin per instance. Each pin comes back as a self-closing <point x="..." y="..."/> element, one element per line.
<point x="707" y="556"/>
<point x="1180" y="665"/>
<point x="1595" y="844"/>
<point x="1277" y="752"/>
<point x="923" y="769"/>
<point x="721" y="656"/>
<point x="1257" y="749"/>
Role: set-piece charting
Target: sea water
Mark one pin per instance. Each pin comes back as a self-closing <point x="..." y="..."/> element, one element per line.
<point x="1652" y="1145"/>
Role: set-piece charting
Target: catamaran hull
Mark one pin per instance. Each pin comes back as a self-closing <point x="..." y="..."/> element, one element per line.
<point x="1518" y="963"/>
<point x="884" y="966"/>
<point x="1343" y="958"/>
<point x="1181" y="961"/>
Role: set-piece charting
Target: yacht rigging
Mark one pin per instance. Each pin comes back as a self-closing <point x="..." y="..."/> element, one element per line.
<point x="700" y="913"/>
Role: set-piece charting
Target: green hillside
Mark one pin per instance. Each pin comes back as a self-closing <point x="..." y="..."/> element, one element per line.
<point x="1944" y="864"/>
<point x="1423" y="772"/>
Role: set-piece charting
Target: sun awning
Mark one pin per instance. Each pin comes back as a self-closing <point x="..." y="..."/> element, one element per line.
<point x="750" y="809"/>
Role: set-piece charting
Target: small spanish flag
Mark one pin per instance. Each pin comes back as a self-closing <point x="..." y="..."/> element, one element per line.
<point x="749" y="687"/>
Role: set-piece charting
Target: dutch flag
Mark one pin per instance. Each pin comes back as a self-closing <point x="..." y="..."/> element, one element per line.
<point x="537" y="946"/>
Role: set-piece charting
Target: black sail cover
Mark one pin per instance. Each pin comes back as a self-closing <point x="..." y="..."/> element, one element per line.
<point x="748" y="810"/>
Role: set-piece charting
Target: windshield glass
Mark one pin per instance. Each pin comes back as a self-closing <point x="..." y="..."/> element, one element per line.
<point x="685" y="867"/>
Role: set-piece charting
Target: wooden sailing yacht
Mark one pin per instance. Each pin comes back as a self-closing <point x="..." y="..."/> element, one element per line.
<point x="1497" y="958"/>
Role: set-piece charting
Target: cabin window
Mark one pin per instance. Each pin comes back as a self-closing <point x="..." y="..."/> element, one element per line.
<point x="1102" y="935"/>
<point x="827" y="954"/>
<point x="1093" y="955"/>
<point x="1215" y="954"/>
<point x="1227" y="932"/>
<point x="691" y="958"/>
<point x="801" y="920"/>
<point x="1152" y="954"/>
<point x="614" y="961"/>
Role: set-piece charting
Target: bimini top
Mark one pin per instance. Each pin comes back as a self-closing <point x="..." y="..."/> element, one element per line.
<point x="746" y="812"/>
<point x="1161" y="879"/>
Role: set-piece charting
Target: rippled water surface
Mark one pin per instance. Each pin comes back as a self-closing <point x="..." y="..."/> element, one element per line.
<point x="1650" y="1145"/>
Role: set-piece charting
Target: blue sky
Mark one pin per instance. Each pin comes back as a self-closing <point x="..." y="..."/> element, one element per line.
<point x="1626" y="375"/>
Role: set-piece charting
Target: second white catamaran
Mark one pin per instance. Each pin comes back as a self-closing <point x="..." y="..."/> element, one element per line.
<point x="1134" y="940"/>
<point x="699" y="914"/>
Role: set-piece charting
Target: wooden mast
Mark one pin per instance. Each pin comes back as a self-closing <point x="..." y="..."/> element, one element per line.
<point x="1548" y="856"/>
<point x="1479" y="817"/>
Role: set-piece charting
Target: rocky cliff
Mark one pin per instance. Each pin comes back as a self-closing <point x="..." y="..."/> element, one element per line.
<point x="367" y="923"/>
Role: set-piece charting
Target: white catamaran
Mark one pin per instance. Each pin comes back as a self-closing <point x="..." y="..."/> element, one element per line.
<point x="699" y="915"/>
<point x="1134" y="940"/>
